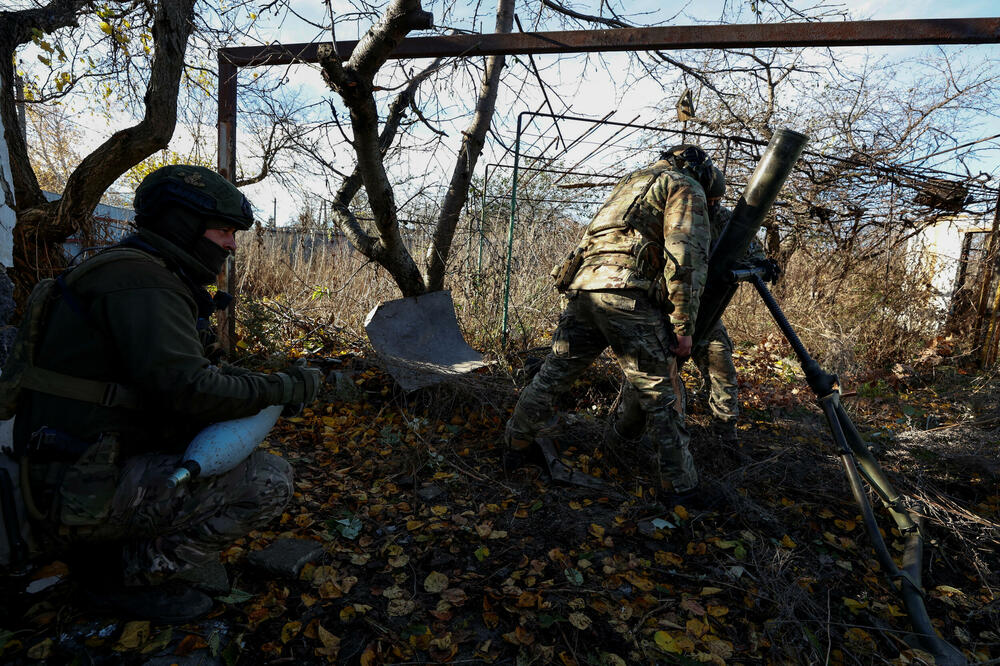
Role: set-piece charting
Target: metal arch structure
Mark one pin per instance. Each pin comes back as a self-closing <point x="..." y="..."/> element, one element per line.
<point x="728" y="141"/>
<point x="904" y="32"/>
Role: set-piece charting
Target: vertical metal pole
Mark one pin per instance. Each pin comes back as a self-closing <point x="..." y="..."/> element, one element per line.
<point x="482" y="224"/>
<point x="227" y="167"/>
<point x="510" y="232"/>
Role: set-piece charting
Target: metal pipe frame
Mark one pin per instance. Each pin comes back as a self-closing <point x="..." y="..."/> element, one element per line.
<point x="227" y="168"/>
<point x="902" y="32"/>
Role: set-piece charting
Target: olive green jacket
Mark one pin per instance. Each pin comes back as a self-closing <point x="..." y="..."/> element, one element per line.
<point x="134" y="321"/>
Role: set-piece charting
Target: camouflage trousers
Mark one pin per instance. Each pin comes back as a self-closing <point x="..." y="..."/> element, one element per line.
<point x="634" y="328"/>
<point x="719" y="385"/>
<point x="167" y="531"/>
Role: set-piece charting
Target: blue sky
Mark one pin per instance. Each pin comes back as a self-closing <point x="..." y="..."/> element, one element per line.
<point x="589" y="91"/>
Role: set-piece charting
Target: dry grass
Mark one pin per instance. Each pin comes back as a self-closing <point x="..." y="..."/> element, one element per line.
<point x="872" y="316"/>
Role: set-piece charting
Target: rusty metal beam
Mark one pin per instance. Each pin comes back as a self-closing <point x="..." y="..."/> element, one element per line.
<point x="743" y="36"/>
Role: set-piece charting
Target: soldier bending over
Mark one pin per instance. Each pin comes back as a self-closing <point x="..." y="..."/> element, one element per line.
<point x="635" y="286"/>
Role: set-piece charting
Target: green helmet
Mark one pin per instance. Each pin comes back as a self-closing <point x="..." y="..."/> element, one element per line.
<point x="695" y="161"/>
<point x="198" y="189"/>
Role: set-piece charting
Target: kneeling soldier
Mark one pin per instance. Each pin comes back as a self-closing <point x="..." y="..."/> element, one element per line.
<point x="117" y="378"/>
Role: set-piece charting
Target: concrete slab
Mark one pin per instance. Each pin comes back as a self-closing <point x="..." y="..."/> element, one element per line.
<point x="419" y="340"/>
<point x="286" y="557"/>
<point x="210" y="578"/>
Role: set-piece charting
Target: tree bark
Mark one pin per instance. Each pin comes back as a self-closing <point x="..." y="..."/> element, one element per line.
<point x="352" y="80"/>
<point x="172" y="26"/>
<point x="472" y="147"/>
<point x="42" y="227"/>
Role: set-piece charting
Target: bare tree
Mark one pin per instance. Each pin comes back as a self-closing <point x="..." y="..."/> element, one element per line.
<point x="352" y="79"/>
<point x="42" y="226"/>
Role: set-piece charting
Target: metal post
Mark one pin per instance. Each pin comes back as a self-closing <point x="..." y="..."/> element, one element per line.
<point x="227" y="167"/>
<point x="482" y="223"/>
<point x="510" y="231"/>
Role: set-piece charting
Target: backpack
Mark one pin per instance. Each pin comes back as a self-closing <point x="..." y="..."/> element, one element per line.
<point x="20" y="371"/>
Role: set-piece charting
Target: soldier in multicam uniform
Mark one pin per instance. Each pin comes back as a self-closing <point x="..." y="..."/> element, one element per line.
<point x="126" y="349"/>
<point x="713" y="355"/>
<point x="642" y="265"/>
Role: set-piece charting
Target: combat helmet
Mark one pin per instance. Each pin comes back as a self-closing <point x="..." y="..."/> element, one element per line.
<point x="693" y="160"/>
<point x="199" y="190"/>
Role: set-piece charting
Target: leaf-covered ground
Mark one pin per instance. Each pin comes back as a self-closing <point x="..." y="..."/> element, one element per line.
<point x="435" y="553"/>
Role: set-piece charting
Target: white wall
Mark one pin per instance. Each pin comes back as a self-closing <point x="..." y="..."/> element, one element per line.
<point x="938" y="250"/>
<point x="6" y="196"/>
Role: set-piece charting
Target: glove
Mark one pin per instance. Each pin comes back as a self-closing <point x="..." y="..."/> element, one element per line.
<point x="300" y="384"/>
<point x="773" y="270"/>
<point x="211" y="348"/>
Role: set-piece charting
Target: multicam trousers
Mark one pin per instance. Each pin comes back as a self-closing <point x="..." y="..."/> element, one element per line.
<point x="634" y="328"/>
<point x="719" y="385"/>
<point x="169" y="531"/>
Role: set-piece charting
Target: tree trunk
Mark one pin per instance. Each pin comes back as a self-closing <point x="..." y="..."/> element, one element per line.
<point x="352" y="80"/>
<point x="345" y="219"/>
<point x="468" y="155"/>
<point x="42" y="227"/>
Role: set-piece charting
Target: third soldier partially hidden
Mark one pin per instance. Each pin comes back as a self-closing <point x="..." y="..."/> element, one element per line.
<point x="634" y="283"/>
<point x="713" y="355"/>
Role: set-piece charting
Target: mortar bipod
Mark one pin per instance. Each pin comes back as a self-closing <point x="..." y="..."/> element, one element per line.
<point x="858" y="461"/>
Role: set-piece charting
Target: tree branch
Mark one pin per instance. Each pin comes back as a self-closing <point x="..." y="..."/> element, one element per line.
<point x="352" y="80"/>
<point x="465" y="164"/>
<point x="16" y="28"/>
<point x="172" y="25"/>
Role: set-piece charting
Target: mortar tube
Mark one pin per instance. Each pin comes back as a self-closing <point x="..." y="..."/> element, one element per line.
<point x="761" y="190"/>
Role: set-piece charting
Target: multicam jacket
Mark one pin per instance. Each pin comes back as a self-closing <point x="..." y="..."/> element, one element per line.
<point x="655" y="225"/>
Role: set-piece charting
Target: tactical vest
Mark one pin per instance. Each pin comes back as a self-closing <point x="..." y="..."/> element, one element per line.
<point x="20" y="371"/>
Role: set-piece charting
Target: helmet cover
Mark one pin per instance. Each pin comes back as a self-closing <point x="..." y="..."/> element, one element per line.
<point x="693" y="160"/>
<point x="198" y="189"/>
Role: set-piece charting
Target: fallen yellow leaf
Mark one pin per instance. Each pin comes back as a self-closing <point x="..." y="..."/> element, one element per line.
<point x="435" y="582"/>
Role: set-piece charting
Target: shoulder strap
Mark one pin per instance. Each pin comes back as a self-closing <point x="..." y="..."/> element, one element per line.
<point x="106" y="394"/>
<point x="50" y="382"/>
<point x="107" y="256"/>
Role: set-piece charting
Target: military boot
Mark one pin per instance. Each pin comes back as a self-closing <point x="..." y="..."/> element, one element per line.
<point x="725" y="431"/>
<point x="520" y="450"/>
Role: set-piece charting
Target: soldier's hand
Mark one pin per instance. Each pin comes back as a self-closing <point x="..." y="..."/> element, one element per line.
<point x="682" y="348"/>
<point x="305" y="383"/>
<point x="773" y="270"/>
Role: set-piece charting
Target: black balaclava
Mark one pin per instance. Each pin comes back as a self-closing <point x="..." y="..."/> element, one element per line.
<point x="199" y="257"/>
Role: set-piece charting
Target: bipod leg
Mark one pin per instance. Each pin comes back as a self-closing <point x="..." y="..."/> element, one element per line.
<point x="858" y="461"/>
